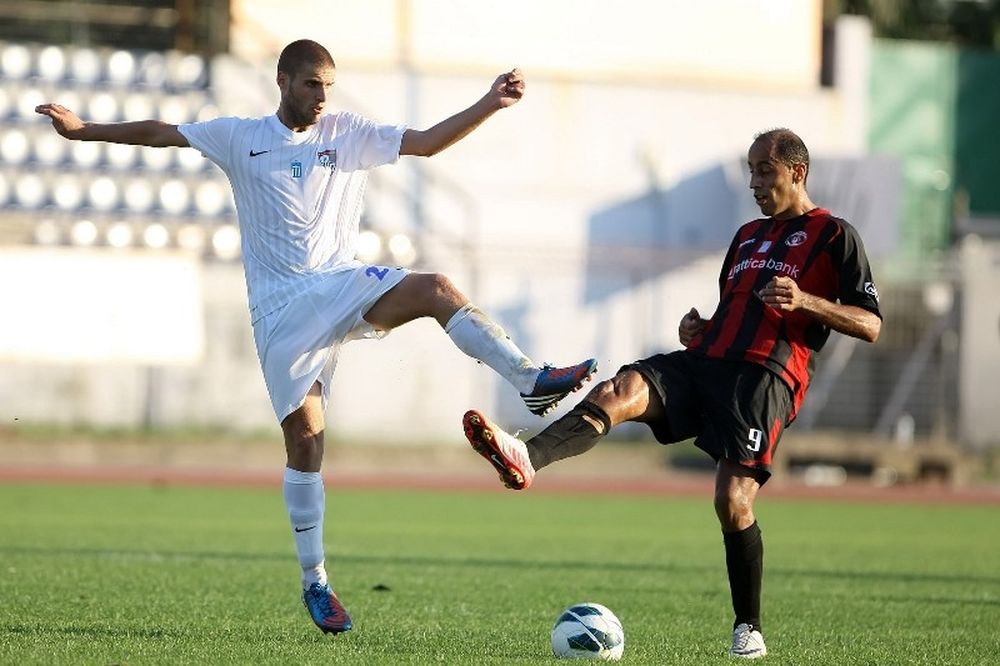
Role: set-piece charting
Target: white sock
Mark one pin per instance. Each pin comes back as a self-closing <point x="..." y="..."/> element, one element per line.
<point x="306" y="501"/>
<point x="484" y="340"/>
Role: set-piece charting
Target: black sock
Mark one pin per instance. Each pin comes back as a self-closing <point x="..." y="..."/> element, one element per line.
<point x="569" y="436"/>
<point x="745" y="563"/>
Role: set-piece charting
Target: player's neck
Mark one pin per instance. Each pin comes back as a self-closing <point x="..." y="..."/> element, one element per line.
<point x="801" y="207"/>
<point x="288" y="121"/>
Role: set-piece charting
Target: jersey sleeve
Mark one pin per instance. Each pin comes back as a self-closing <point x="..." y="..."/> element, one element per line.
<point x="857" y="286"/>
<point x="212" y="138"/>
<point x="367" y="144"/>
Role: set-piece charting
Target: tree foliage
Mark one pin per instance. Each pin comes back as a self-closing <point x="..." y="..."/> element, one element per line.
<point x="964" y="22"/>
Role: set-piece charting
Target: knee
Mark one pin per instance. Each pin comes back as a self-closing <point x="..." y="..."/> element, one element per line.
<point x="622" y="386"/>
<point x="734" y="509"/>
<point x="303" y="444"/>
<point x="438" y="287"/>
<point x="604" y="391"/>
<point x="438" y="297"/>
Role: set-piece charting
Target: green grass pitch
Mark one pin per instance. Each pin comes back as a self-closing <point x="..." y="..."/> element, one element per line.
<point x="173" y="575"/>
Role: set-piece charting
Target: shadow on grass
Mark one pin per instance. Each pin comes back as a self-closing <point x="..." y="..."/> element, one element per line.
<point x="97" y="633"/>
<point x="885" y="576"/>
<point x="945" y="601"/>
<point x="510" y="562"/>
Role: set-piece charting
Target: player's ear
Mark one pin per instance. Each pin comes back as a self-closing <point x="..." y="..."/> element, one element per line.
<point x="799" y="170"/>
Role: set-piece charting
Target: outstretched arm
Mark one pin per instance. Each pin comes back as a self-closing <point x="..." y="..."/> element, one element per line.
<point x="784" y="294"/>
<point x="141" y="133"/>
<point x="507" y="90"/>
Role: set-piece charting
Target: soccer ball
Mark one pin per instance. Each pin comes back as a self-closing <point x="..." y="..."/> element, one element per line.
<point x="588" y="631"/>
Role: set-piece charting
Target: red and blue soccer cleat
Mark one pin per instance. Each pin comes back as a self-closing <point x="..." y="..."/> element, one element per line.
<point x="507" y="454"/>
<point x="554" y="384"/>
<point x="325" y="609"/>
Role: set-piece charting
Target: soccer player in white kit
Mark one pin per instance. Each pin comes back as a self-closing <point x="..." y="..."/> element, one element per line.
<point x="298" y="178"/>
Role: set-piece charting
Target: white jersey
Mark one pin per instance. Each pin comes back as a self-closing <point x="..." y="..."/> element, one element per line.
<point x="298" y="194"/>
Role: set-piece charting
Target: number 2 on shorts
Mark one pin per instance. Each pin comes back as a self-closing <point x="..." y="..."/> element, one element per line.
<point x="378" y="272"/>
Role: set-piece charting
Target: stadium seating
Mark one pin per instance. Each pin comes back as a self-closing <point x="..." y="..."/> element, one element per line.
<point x="92" y="193"/>
<point x="83" y="193"/>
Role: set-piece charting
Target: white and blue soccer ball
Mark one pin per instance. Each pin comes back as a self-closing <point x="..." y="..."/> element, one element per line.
<point x="588" y="631"/>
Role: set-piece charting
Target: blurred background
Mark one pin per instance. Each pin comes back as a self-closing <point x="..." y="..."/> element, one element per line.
<point x="586" y="219"/>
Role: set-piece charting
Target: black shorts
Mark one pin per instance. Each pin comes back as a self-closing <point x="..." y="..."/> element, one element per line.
<point x="735" y="410"/>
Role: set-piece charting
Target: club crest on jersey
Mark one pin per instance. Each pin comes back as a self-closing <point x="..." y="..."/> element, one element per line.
<point x="328" y="158"/>
<point x="796" y="239"/>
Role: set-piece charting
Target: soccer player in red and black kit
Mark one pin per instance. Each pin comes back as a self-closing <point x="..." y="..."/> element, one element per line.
<point x="787" y="280"/>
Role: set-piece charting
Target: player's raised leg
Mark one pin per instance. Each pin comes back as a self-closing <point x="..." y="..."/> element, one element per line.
<point x="305" y="500"/>
<point x="624" y="397"/>
<point x="472" y="331"/>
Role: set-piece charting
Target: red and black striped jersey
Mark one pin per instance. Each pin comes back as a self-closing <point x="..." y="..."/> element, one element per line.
<point x="824" y="255"/>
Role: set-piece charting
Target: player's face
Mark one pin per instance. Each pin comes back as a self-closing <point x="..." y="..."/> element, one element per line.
<point x="776" y="186"/>
<point x="304" y="96"/>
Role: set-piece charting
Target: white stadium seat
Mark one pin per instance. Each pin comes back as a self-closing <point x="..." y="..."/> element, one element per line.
<point x="30" y="191"/>
<point x="102" y="107"/>
<point x="15" y="61"/>
<point x="49" y="148"/>
<point x="14" y="146"/>
<point x="156" y="236"/>
<point x="48" y="232"/>
<point x="121" y="68"/>
<point x="153" y="69"/>
<point x="138" y="106"/>
<point x="52" y="64"/>
<point x="83" y="233"/>
<point x="191" y="161"/>
<point x="85" y="65"/>
<point x="86" y="153"/>
<point x="210" y="198"/>
<point x="139" y="195"/>
<point x="67" y="192"/>
<point x="103" y="194"/>
<point x="119" y="234"/>
<point x="186" y="70"/>
<point x="174" y="110"/>
<point x="157" y="159"/>
<point x="27" y="99"/>
<point x="175" y="197"/>
<point x="122" y="156"/>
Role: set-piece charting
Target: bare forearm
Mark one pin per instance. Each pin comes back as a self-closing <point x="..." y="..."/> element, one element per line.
<point x="450" y="130"/>
<point x="847" y="319"/>
<point x="154" y="133"/>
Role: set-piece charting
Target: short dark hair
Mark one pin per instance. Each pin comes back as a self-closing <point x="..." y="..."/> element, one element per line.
<point x="302" y="53"/>
<point x="786" y="145"/>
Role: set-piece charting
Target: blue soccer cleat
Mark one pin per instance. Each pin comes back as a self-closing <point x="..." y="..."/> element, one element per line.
<point x="325" y="609"/>
<point x="554" y="384"/>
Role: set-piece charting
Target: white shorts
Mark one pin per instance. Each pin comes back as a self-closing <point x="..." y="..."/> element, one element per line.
<point x="298" y="343"/>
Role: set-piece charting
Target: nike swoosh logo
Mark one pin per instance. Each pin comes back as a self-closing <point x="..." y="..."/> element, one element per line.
<point x="497" y="461"/>
<point x="253" y="154"/>
<point x="305" y="529"/>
